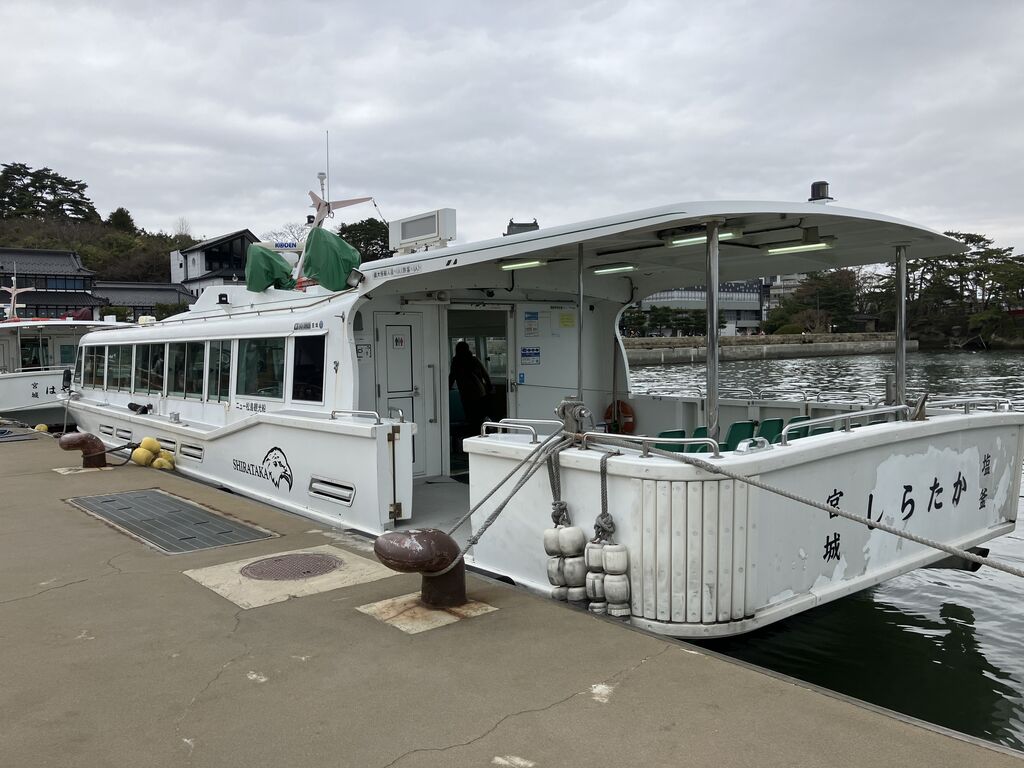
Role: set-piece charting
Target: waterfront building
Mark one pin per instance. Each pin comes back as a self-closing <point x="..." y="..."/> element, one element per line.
<point x="216" y="261"/>
<point x="61" y="284"/>
<point x="740" y="302"/>
<point x="141" y="298"/>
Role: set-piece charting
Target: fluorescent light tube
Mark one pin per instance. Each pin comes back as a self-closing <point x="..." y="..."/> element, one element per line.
<point x="800" y="248"/>
<point x="725" y="234"/>
<point x="522" y="264"/>
<point x="611" y="269"/>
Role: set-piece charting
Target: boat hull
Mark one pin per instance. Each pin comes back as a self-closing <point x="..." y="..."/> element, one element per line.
<point x="33" y="397"/>
<point x="713" y="556"/>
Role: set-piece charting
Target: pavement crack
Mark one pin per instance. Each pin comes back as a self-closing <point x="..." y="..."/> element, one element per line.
<point x="620" y="675"/>
<point x="41" y="592"/>
<point x="246" y="650"/>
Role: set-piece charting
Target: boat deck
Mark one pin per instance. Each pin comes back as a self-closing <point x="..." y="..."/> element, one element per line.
<point x="113" y="656"/>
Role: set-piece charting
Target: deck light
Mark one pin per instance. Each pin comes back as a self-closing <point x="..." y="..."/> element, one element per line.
<point x="611" y="269"/>
<point x="355" y="277"/>
<point x="523" y="264"/>
<point x="725" y="234"/>
<point x="822" y="246"/>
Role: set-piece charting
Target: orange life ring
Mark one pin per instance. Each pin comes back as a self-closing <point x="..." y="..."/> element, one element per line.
<point x="626" y="422"/>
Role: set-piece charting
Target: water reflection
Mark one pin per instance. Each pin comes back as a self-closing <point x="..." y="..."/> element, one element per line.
<point x="934" y="670"/>
<point x="942" y="646"/>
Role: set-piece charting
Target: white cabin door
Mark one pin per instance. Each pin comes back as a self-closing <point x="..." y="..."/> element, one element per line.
<point x="5" y="360"/>
<point x="399" y="356"/>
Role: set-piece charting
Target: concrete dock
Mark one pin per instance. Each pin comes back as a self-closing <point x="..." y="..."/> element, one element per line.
<point x="110" y="655"/>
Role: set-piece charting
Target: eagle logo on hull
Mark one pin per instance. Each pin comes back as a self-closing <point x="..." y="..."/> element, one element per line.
<point x="276" y="464"/>
<point x="275" y="468"/>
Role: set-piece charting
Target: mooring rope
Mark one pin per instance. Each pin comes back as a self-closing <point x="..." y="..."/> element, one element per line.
<point x="715" y="469"/>
<point x="533" y="461"/>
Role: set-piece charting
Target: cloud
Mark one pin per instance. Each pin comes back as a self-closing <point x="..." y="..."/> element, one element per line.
<point x="560" y="112"/>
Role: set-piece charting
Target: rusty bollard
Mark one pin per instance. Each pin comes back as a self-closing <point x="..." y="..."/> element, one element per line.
<point x="432" y="553"/>
<point x="92" y="448"/>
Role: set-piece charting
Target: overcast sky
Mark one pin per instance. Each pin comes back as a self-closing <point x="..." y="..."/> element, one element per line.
<point x="217" y="112"/>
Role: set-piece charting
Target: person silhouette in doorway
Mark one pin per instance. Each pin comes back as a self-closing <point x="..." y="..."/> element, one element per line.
<point x="469" y="374"/>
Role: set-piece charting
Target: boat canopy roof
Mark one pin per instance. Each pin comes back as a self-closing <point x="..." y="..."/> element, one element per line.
<point x="55" y="324"/>
<point x="751" y="234"/>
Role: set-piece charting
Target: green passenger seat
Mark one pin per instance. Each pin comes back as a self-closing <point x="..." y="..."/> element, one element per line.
<point x="738" y="432"/>
<point x="822" y="430"/>
<point x="770" y="429"/>
<point x="670" y="446"/>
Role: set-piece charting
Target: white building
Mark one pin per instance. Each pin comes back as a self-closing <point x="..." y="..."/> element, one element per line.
<point x="216" y="261"/>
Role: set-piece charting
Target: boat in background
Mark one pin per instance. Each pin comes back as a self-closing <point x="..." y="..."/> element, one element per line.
<point x="335" y="403"/>
<point x="35" y="355"/>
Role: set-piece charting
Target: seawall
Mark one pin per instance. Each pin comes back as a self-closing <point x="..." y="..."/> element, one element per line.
<point x="693" y="349"/>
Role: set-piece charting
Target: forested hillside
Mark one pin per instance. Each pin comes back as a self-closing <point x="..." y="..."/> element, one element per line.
<point x="40" y="208"/>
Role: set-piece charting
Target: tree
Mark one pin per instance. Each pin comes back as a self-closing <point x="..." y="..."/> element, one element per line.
<point x="288" y="233"/>
<point x="659" y="318"/>
<point x="369" y="237"/>
<point x="42" y="193"/>
<point x="122" y="220"/>
<point x="633" y="323"/>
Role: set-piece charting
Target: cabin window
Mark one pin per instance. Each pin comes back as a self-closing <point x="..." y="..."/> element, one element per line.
<point x="35" y="353"/>
<point x="95" y="357"/>
<point x="220" y="370"/>
<point x="185" y="368"/>
<point x="119" y="367"/>
<point x="67" y="354"/>
<point x="261" y="367"/>
<point x="78" y="365"/>
<point x="149" y="368"/>
<point x="308" y="369"/>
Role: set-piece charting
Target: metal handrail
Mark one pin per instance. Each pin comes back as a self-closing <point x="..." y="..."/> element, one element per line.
<point x="554" y="422"/>
<point x="401" y="413"/>
<point x="763" y="392"/>
<point x="646" y="441"/>
<point x="364" y="414"/>
<point x="845" y="418"/>
<point x="999" y="403"/>
<point x="744" y="390"/>
<point x="42" y="368"/>
<point x="511" y="427"/>
<point x="869" y="397"/>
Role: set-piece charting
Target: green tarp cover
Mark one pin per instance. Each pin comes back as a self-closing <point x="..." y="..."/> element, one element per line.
<point x="265" y="268"/>
<point x="328" y="259"/>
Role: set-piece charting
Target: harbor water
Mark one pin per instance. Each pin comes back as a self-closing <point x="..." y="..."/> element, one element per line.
<point x="943" y="646"/>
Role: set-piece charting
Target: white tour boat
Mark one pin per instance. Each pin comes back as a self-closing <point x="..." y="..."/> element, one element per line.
<point x="34" y="354"/>
<point x="337" y="405"/>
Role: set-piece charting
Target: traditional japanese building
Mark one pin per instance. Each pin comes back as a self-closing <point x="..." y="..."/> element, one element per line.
<point x="142" y="298"/>
<point x="61" y="284"/>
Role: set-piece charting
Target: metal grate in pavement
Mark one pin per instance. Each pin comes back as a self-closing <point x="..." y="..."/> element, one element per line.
<point x="170" y="524"/>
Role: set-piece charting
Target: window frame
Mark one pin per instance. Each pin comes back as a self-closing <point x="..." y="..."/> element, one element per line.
<point x="236" y="372"/>
<point x="291" y="365"/>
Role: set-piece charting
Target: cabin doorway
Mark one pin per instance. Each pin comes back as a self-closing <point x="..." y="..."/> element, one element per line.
<point x="405" y="372"/>
<point x="4" y="359"/>
<point x="485" y="332"/>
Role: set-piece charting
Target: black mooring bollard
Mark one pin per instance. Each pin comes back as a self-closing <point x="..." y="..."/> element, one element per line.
<point x="429" y="552"/>
<point x="93" y="451"/>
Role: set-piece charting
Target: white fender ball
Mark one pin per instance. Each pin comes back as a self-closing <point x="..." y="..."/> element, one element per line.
<point x="575" y="570"/>
<point x="616" y="558"/>
<point x="571" y="540"/>
<point x="551" y="542"/>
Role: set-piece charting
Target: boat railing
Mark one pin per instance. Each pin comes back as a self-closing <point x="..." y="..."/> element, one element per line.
<point x="646" y="441"/>
<point x="849" y="397"/>
<point x="510" y="427"/>
<point x="41" y="368"/>
<point x="358" y="414"/>
<point x="845" y="419"/>
<point x="401" y="413"/>
<point x="765" y="394"/>
<point x="732" y="391"/>
<point x="551" y="422"/>
<point x="973" y="402"/>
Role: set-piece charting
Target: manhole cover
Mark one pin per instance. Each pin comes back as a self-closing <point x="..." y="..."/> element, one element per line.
<point x="291" y="567"/>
